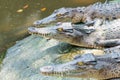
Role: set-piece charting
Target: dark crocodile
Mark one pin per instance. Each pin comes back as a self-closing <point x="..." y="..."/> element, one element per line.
<point x="106" y="35"/>
<point x="87" y="66"/>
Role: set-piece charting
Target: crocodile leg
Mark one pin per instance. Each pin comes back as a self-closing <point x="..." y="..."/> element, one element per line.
<point x="76" y="52"/>
<point x="96" y="22"/>
<point x="91" y="23"/>
<point x="108" y="43"/>
<point x="115" y="49"/>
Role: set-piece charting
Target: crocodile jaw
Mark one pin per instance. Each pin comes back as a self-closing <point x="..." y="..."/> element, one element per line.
<point x="51" y="33"/>
<point x="74" y="68"/>
<point x="44" y="32"/>
<point x="58" y="70"/>
<point x="63" y="32"/>
<point x="66" y="70"/>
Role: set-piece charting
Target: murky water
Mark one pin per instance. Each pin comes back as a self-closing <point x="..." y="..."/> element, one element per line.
<point x="16" y="15"/>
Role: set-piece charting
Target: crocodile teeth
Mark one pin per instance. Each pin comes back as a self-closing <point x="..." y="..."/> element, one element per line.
<point x="43" y="35"/>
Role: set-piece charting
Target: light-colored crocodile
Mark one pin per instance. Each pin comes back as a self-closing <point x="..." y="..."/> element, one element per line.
<point x="106" y="35"/>
<point x="104" y="11"/>
<point x="87" y="66"/>
<point x="69" y="56"/>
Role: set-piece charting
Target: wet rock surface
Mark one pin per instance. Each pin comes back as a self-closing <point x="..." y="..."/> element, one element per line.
<point x="23" y="60"/>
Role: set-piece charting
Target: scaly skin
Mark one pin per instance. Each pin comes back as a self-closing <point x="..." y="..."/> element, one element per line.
<point x="87" y="66"/>
<point x="59" y="15"/>
<point x="95" y="36"/>
<point x="105" y="11"/>
<point x="69" y="56"/>
<point x="106" y="35"/>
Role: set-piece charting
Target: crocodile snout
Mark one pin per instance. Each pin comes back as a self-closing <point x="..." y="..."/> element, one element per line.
<point x="46" y="69"/>
<point x="31" y="29"/>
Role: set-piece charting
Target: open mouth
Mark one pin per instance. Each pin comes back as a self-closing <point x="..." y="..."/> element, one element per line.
<point x="41" y="34"/>
<point x="32" y="30"/>
<point x="54" y="73"/>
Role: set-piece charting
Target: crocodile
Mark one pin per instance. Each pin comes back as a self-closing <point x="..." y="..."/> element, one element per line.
<point x="106" y="35"/>
<point x="88" y="65"/>
<point x="104" y="11"/>
<point x="59" y="15"/>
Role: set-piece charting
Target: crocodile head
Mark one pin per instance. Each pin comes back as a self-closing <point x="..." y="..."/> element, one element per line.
<point x="86" y="66"/>
<point x="65" y="32"/>
<point x="61" y="31"/>
<point x="69" y="69"/>
<point x="63" y="15"/>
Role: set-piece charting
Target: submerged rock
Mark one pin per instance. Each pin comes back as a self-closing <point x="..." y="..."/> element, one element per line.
<point x="23" y="60"/>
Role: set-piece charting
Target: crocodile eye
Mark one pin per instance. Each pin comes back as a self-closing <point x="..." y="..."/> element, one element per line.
<point x="59" y="15"/>
<point x="80" y="63"/>
<point x="60" y="29"/>
<point x="58" y="23"/>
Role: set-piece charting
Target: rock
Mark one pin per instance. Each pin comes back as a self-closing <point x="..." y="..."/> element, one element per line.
<point x="23" y="60"/>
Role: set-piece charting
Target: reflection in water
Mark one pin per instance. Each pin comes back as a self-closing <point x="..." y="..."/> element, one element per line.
<point x="16" y="15"/>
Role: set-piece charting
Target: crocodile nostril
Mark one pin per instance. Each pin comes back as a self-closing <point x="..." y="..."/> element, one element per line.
<point x="46" y="69"/>
<point x="31" y="29"/>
